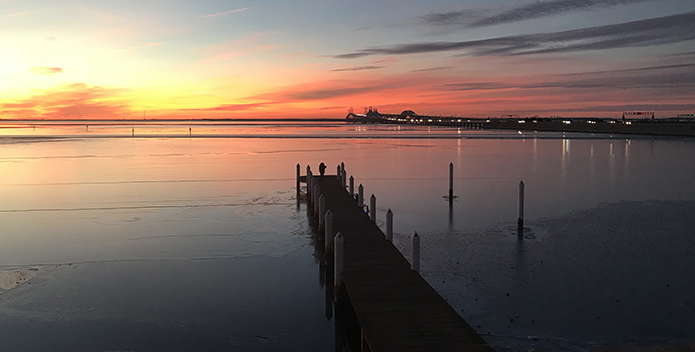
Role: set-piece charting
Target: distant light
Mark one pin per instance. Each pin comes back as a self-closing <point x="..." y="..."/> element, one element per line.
<point x="522" y="121"/>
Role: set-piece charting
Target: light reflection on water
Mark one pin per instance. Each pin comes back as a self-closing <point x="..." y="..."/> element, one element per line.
<point x="134" y="229"/>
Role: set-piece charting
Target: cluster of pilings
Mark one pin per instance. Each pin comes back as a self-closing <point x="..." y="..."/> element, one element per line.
<point x="317" y="206"/>
<point x="333" y="241"/>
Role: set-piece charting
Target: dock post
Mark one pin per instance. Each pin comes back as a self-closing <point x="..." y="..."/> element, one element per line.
<point x="352" y="186"/>
<point x="343" y="179"/>
<point x="520" y="220"/>
<point x="415" y="250"/>
<point x="308" y="183"/>
<point x="342" y="166"/>
<point x="389" y="225"/>
<point x="338" y="173"/>
<point x="372" y="207"/>
<point x="316" y="193"/>
<point x="360" y="195"/>
<point x="451" y="182"/>
<point x="322" y="210"/>
<point x="328" y="234"/>
<point x="298" y="167"/>
<point x="338" y="261"/>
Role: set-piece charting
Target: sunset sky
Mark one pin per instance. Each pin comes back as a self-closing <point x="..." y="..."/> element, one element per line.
<point x="268" y="58"/>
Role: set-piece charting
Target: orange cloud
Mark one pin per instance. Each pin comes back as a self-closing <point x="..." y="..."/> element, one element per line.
<point x="46" y="71"/>
<point x="71" y="101"/>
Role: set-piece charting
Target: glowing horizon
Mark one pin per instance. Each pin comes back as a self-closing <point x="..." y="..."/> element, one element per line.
<point x="214" y="59"/>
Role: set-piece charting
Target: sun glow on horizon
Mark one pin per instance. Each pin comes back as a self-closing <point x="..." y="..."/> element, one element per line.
<point x="89" y="59"/>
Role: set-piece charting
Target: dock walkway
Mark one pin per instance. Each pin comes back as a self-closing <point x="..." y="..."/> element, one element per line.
<point x="396" y="308"/>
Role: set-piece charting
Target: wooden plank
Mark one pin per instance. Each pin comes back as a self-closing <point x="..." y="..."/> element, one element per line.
<point x="397" y="309"/>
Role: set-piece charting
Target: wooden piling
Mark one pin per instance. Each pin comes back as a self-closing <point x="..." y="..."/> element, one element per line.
<point x="338" y="261"/>
<point x="389" y="225"/>
<point x="372" y="207"/>
<point x="298" y="176"/>
<point x="360" y="196"/>
<point x="316" y="194"/>
<point x="328" y="232"/>
<point x="352" y="186"/>
<point x="451" y="182"/>
<point x="322" y="210"/>
<point x="415" y="252"/>
<point x="520" y="219"/>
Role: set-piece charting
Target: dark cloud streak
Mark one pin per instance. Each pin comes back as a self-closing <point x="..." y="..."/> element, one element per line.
<point x="654" y="31"/>
<point x="357" y="68"/>
<point x="538" y="9"/>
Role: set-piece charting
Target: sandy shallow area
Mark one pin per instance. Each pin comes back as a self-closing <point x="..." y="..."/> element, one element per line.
<point x="13" y="278"/>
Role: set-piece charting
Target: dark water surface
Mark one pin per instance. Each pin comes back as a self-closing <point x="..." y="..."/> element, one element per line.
<point x="170" y="242"/>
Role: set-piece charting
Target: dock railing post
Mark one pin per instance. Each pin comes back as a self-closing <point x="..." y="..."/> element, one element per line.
<point x="322" y="210"/>
<point x="317" y="192"/>
<point x="520" y="220"/>
<point x="309" y="187"/>
<point x="415" y="251"/>
<point x="352" y="186"/>
<point x="451" y="182"/>
<point x="328" y="233"/>
<point x="360" y="196"/>
<point x="372" y="207"/>
<point x="338" y="260"/>
<point x="389" y="225"/>
<point x="298" y="168"/>
<point x="343" y="174"/>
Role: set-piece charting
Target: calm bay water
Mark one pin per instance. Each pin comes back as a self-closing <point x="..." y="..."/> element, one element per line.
<point x="194" y="240"/>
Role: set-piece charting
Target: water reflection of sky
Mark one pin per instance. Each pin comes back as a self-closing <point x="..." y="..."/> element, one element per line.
<point x="127" y="231"/>
<point x="198" y="129"/>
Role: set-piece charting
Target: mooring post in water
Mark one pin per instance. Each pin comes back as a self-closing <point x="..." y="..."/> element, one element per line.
<point x="298" y="168"/>
<point x="372" y="207"/>
<point x="451" y="182"/>
<point x="337" y="260"/>
<point x="352" y="186"/>
<point x="328" y="234"/>
<point x="360" y="195"/>
<point x="338" y="173"/>
<point x="520" y="221"/>
<point x="343" y="176"/>
<point x="389" y="225"/>
<point x="322" y="211"/>
<point x="415" y="251"/>
<point x="342" y="166"/>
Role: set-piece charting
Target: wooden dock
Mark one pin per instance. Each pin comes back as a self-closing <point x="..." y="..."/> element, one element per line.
<point x="396" y="308"/>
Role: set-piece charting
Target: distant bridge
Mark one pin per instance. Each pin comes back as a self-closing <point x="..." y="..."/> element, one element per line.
<point x="411" y="118"/>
